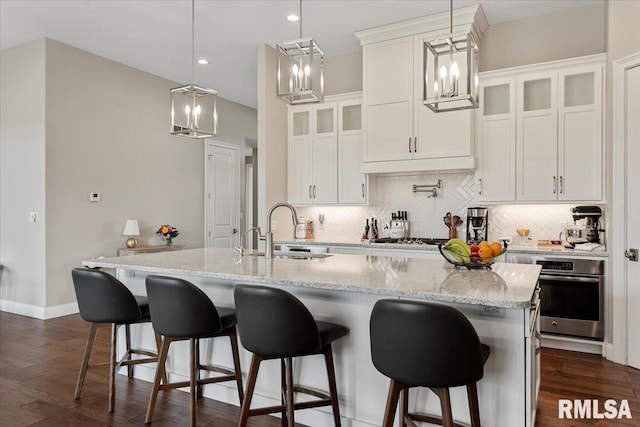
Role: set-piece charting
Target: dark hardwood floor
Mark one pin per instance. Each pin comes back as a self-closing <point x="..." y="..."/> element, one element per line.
<point x="39" y="362"/>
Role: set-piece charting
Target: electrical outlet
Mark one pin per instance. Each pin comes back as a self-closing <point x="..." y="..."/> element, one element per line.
<point x="488" y="310"/>
<point x="33" y="217"/>
<point x="94" y="196"/>
<point x="274" y="225"/>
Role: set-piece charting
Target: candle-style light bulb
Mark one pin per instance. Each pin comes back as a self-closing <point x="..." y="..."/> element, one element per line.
<point x="196" y="115"/>
<point x="307" y="72"/>
<point x="187" y="112"/>
<point x="443" y="79"/>
<point x="455" y="73"/>
<point x="294" y="72"/>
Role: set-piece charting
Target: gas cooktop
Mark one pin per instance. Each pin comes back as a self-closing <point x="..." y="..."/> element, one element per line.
<point x="410" y="240"/>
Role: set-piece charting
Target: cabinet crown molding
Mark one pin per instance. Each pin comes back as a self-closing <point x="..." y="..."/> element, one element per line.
<point x="596" y="59"/>
<point x="466" y="19"/>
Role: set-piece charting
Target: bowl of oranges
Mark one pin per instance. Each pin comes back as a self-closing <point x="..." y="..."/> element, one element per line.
<point x="482" y="255"/>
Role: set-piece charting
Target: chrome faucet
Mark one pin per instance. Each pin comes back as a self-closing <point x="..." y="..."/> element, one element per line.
<point x="268" y="247"/>
<point x="240" y="248"/>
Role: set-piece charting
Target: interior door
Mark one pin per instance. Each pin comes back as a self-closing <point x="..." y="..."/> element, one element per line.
<point x="633" y="211"/>
<point x="223" y="195"/>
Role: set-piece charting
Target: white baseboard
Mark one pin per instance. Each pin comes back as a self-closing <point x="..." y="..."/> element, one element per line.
<point x="36" y="311"/>
<point x="61" y="310"/>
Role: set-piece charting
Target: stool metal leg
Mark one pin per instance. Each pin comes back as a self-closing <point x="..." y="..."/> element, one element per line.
<point x="333" y="391"/>
<point x="472" y="395"/>
<point x="112" y="367"/>
<point x="288" y="362"/>
<point x="194" y="350"/>
<point x="85" y="360"/>
<point x="127" y="334"/>
<point x="251" y="385"/>
<point x="392" y="402"/>
<point x="283" y="392"/>
<point x="160" y="374"/>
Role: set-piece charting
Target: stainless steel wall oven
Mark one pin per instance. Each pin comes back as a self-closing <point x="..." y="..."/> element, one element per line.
<point x="572" y="297"/>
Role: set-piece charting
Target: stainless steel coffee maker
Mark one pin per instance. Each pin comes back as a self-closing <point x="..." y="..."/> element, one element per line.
<point x="477" y="222"/>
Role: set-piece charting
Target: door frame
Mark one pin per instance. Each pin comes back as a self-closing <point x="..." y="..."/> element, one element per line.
<point x="617" y="349"/>
<point x="239" y="179"/>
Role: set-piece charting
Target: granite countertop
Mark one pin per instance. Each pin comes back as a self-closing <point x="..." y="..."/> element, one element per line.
<point x="521" y="249"/>
<point x="507" y="285"/>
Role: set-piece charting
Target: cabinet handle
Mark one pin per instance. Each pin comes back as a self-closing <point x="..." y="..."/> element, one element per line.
<point x="310" y="192"/>
<point x="480" y="186"/>
<point x="415" y="144"/>
<point x="314" y="191"/>
<point x="561" y="185"/>
<point x="555" y="185"/>
<point x="409" y="144"/>
<point x="363" y="190"/>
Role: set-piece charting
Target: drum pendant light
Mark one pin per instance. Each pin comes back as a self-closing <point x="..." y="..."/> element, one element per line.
<point x="451" y="71"/>
<point x="300" y="73"/>
<point x="193" y="108"/>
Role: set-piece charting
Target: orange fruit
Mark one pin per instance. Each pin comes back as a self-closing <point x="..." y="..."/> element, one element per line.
<point x="496" y="248"/>
<point x="483" y="243"/>
<point x="485" y="252"/>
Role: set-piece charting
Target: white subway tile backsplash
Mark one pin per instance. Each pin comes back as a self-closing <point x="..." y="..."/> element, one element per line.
<point x="346" y="223"/>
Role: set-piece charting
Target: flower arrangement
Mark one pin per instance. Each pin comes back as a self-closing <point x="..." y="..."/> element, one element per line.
<point x="168" y="233"/>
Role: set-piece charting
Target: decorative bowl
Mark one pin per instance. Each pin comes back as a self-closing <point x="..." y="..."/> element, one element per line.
<point x="475" y="263"/>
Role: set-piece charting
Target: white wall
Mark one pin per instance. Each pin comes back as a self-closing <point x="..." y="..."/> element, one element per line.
<point x="107" y="131"/>
<point x="22" y="176"/>
<point x="565" y="34"/>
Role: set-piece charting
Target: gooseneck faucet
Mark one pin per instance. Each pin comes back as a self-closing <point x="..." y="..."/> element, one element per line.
<point x="268" y="248"/>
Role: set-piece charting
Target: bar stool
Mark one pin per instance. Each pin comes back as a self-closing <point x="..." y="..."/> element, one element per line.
<point x="181" y="311"/>
<point x="103" y="300"/>
<point x="273" y="324"/>
<point x="419" y="344"/>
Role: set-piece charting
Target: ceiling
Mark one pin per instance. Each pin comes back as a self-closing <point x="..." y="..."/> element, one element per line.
<point x="155" y="35"/>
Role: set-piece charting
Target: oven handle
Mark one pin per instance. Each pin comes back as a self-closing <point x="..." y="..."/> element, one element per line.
<point x="570" y="278"/>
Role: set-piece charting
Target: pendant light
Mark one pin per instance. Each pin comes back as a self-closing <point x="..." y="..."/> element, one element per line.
<point x="300" y="73"/>
<point x="193" y="107"/>
<point x="451" y="71"/>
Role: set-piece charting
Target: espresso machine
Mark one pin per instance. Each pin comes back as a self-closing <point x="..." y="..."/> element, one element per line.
<point x="477" y="222"/>
<point x="591" y="228"/>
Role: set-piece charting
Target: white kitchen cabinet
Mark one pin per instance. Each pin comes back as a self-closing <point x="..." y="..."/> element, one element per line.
<point x="313" y="155"/>
<point x="539" y="132"/>
<point x="496" y="138"/>
<point x="353" y="186"/>
<point x="559" y="133"/>
<point x="400" y="133"/>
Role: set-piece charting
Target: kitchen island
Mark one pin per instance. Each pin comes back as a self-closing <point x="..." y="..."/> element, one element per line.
<point x="501" y="304"/>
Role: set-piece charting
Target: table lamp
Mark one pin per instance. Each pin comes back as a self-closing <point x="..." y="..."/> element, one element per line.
<point x="131" y="229"/>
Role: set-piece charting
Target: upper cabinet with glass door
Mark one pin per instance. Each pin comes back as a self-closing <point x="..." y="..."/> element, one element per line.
<point x="539" y="134"/>
<point x="559" y="132"/>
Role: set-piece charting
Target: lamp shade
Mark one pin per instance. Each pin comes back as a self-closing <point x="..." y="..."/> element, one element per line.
<point x="131" y="228"/>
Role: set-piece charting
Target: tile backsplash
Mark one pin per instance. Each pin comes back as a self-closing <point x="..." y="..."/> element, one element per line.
<point x="346" y="223"/>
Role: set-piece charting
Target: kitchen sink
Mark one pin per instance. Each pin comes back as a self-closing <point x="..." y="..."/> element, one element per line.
<point x="293" y="255"/>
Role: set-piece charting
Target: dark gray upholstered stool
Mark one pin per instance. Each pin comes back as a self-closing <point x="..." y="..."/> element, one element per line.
<point x="105" y="301"/>
<point x="419" y="344"/>
<point x="273" y="324"/>
<point x="180" y="311"/>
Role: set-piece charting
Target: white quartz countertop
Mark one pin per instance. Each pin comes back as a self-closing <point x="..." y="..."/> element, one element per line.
<point x="516" y="249"/>
<point x="506" y="285"/>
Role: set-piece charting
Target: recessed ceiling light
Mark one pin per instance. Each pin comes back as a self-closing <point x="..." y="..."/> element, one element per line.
<point x="293" y="18"/>
<point x="203" y="61"/>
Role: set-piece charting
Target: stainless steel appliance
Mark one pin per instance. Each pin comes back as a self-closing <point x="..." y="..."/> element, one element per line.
<point x="477" y="221"/>
<point x="572" y="297"/>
